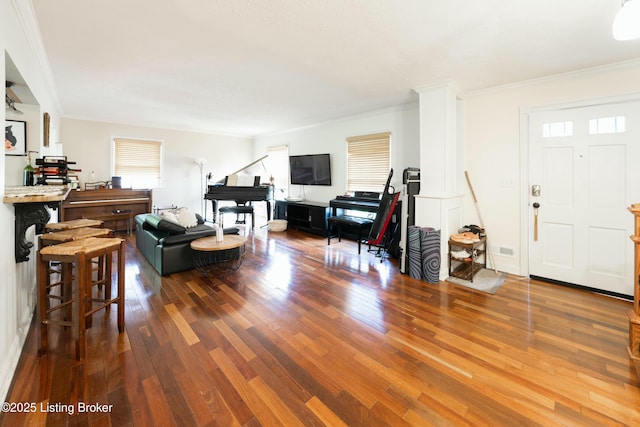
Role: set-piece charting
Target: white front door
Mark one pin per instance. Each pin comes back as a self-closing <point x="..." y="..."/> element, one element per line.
<point x="586" y="162"/>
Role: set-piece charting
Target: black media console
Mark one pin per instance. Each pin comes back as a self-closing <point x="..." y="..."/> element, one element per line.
<point x="305" y="215"/>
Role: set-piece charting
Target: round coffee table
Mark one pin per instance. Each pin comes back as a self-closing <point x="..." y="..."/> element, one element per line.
<point x="225" y="256"/>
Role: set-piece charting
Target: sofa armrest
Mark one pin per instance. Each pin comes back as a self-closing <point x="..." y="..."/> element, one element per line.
<point x="191" y="235"/>
<point x="156" y="221"/>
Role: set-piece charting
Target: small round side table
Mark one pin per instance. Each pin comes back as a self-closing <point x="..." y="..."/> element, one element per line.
<point x="225" y="256"/>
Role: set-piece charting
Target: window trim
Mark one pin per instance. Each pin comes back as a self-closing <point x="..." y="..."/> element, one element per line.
<point x="160" y="169"/>
<point x="373" y="181"/>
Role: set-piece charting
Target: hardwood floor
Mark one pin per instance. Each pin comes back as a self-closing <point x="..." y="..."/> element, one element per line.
<point x="310" y="334"/>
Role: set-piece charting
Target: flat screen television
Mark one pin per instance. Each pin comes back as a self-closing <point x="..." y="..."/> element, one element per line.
<point x="310" y="169"/>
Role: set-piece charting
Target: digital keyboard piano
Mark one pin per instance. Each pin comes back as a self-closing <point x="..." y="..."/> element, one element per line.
<point x="364" y="204"/>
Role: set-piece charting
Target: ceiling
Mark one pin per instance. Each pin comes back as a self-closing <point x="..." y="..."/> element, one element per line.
<point x="251" y="67"/>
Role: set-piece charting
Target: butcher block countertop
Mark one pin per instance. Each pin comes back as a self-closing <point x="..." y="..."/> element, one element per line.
<point x="35" y="194"/>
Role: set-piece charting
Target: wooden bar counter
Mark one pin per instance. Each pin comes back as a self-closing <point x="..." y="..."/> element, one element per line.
<point x="30" y="204"/>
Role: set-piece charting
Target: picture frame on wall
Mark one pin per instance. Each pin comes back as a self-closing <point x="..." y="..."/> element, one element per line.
<point x="15" y="138"/>
<point x="46" y="125"/>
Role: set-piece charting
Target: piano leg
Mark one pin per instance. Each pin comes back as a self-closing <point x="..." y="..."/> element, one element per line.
<point x="214" y="207"/>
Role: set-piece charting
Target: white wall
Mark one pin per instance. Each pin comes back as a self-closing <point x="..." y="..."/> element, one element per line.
<point x="330" y="137"/>
<point x="493" y="146"/>
<point x="89" y="145"/>
<point x="17" y="287"/>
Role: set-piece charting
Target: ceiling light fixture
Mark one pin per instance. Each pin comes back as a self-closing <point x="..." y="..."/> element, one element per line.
<point x="10" y="107"/>
<point x="626" y="25"/>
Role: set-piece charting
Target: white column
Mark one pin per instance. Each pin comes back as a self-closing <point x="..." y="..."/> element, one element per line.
<point x="439" y="204"/>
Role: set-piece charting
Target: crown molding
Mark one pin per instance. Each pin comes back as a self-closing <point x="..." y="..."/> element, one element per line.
<point x="448" y="83"/>
<point x="153" y="126"/>
<point x="29" y="23"/>
<point x="633" y="63"/>
<point x="363" y="115"/>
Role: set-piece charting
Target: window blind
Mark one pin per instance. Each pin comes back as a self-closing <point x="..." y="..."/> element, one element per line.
<point x="138" y="161"/>
<point x="368" y="162"/>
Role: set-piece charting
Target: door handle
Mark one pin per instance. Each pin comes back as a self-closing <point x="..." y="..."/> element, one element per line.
<point x="536" y="205"/>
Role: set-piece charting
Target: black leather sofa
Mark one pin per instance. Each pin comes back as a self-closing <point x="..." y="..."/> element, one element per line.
<point x="166" y="245"/>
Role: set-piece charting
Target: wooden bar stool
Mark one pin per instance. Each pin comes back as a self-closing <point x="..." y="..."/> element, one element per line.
<point x="80" y="253"/>
<point x="69" y="235"/>
<point x="75" y="223"/>
<point x="64" y="270"/>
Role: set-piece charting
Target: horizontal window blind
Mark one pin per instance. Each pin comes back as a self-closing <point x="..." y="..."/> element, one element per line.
<point x="137" y="160"/>
<point x="368" y="162"/>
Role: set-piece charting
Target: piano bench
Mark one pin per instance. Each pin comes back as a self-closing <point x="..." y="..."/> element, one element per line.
<point x="363" y="225"/>
<point x="238" y="210"/>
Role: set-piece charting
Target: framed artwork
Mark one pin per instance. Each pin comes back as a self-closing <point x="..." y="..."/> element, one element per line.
<point x="15" y="138"/>
<point x="46" y="124"/>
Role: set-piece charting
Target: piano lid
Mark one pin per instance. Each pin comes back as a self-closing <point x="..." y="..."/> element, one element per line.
<point x="245" y="169"/>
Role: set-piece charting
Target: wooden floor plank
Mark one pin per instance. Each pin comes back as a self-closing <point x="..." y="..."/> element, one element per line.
<point x="261" y="409"/>
<point x="306" y="334"/>
<point x="187" y="333"/>
<point x="324" y="414"/>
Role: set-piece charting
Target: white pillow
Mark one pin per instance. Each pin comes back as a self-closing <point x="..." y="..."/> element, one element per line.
<point x="186" y="218"/>
<point x="170" y="216"/>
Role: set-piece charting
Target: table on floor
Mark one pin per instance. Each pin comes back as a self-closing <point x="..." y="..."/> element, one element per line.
<point x="224" y="256"/>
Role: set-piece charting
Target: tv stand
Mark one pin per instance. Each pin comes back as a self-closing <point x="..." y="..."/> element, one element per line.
<point x="304" y="215"/>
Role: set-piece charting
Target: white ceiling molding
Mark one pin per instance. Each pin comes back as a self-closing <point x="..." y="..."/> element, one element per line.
<point x="634" y="63"/>
<point x="26" y="14"/>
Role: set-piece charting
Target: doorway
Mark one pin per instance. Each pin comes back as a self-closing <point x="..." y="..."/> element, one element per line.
<point x="583" y="175"/>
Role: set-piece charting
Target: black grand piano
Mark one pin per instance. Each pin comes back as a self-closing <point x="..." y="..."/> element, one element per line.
<point x="241" y="195"/>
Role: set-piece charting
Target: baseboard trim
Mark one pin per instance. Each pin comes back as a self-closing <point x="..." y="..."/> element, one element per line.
<point x="10" y="363"/>
<point x="584" y="288"/>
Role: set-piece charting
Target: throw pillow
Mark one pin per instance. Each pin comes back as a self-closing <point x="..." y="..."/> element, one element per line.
<point x="170" y="216"/>
<point x="186" y="218"/>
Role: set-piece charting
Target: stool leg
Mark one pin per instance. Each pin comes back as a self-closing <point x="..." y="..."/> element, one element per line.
<point x="83" y="280"/>
<point x="108" y="273"/>
<point x="66" y="277"/>
<point x="100" y="271"/>
<point x="42" y="306"/>
<point x="88" y="320"/>
<point x="121" y="273"/>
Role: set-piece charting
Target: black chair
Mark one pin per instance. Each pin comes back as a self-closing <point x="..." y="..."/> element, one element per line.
<point x="238" y="210"/>
<point x="363" y="225"/>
